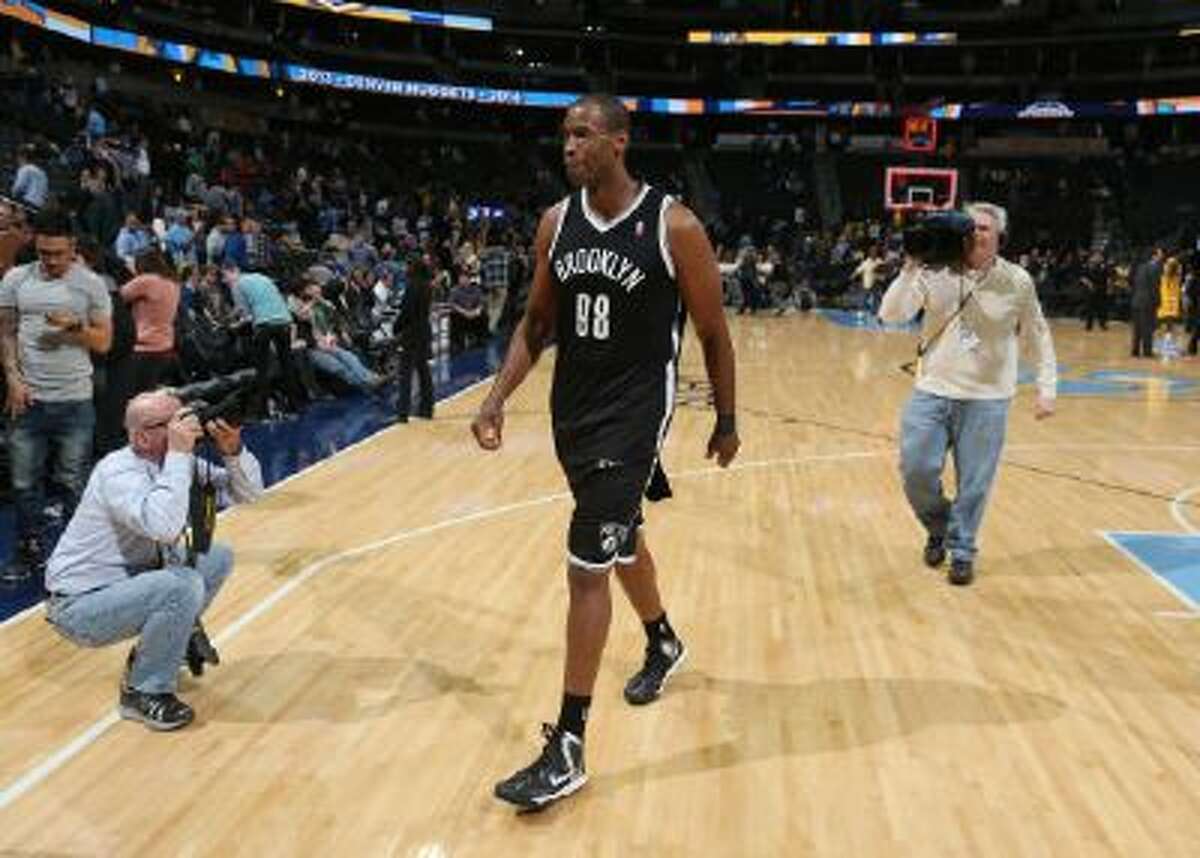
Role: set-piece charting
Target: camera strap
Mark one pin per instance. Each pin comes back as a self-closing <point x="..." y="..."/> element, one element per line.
<point x="923" y="346"/>
<point x="202" y="515"/>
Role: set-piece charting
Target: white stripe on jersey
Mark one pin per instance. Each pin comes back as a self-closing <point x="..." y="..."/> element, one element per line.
<point x="676" y="341"/>
<point x="676" y="327"/>
<point x="600" y="224"/>
<point x="565" y="202"/>
<point x="663" y="245"/>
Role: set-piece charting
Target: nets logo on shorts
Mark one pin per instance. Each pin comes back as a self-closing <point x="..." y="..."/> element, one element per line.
<point x="612" y="536"/>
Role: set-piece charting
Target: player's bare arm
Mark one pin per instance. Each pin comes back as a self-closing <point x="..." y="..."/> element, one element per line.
<point x="699" y="282"/>
<point x="532" y="334"/>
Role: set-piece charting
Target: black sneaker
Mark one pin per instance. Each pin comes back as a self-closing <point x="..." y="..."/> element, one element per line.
<point x="962" y="572"/>
<point x="556" y="774"/>
<point x="935" y="551"/>
<point x="200" y="651"/>
<point x="661" y="661"/>
<point x="157" y="711"/>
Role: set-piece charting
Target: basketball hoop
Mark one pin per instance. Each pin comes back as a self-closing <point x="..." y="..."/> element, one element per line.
<point x="907" y="189"/>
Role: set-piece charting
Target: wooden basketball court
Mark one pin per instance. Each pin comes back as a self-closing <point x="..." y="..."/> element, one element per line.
<point x="393" y="637"/>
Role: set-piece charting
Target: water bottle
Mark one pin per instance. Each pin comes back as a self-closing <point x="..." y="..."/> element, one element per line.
<point x="1168" y="348"/>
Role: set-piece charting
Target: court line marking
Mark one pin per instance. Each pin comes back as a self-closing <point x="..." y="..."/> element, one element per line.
<point x="1137" y="561"/>
<point x="361" y="442"/>
<point x="22" y="615"/>
<point x="1177" y="512"/>
<point x="35" y="776"/>
<point x="1176" y="504"/>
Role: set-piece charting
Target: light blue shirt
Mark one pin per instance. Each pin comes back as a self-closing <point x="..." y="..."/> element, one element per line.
<point x="133" y="513"/>
<point x="131" y="242"/>
<point x="30" y="186"/>
<point x="97" y="125"/>
<point x="258" y="297"/>
<point x="180" y="239"/>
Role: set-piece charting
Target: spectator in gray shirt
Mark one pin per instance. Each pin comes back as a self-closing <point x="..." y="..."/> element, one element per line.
<point x="121" y="568"/>
<point x="30" y="186"/>
<point x="53" y="314"/>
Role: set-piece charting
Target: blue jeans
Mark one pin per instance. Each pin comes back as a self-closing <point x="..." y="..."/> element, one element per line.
<point x="343" y="364"/>
<point x="68" y="425"/>
<point x="973" y="429"/>
<point x="161" y="605"/>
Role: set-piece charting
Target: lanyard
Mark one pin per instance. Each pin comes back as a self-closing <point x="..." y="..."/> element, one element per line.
<point x="923" y="346"/>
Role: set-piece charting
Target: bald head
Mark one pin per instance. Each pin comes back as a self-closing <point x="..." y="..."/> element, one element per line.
<point x="150" y="409"/>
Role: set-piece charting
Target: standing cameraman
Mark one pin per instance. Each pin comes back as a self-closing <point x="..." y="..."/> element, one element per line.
<point x="120" y="569"/>
<point x="967" y="376"/>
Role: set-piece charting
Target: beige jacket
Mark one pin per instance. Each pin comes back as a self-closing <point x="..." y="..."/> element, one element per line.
<point x="976" y="356"/>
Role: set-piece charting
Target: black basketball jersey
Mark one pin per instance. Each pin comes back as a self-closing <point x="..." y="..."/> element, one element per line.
<point x="619" y="327"/>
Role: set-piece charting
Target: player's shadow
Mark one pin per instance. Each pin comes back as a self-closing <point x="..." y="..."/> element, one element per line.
<point x="316" y="686"/>
<point x="768" y="720"/>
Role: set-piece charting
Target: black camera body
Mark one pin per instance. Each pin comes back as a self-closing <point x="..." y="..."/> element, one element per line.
<point x="221" y="398"/>
<point x="940" y="239"/>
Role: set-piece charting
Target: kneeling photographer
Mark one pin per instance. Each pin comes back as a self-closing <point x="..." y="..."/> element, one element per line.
<point x="976" y="306"/>
<point x="136" y="560"/>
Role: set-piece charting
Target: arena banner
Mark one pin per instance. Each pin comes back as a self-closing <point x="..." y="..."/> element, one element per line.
<point x="1168" y="106"/>
<point x="777" y="38"/>
<point x="1035" y="110"/>
<point x="394" y="14"/>
<point x="48" y="19"/>
<point x="40" y="16"/>
<point x="412" y="88"/>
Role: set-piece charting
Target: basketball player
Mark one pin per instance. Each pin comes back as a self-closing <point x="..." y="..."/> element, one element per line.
<point x="617" y="263"/>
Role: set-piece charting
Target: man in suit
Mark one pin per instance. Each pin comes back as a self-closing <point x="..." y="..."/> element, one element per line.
<point x="1143" y="303"/>
<point x="416" y="338"/>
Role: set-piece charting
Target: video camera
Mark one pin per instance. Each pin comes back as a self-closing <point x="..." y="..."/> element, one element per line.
<point x="221" y="398"/>
<point x="940" y="239"/>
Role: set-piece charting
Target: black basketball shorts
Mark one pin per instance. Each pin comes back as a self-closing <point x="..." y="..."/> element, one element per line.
<point x="608" y="511"/>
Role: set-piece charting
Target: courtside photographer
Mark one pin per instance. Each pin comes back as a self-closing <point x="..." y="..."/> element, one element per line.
<point x="137" y="559"/>
<point x="976" y="305"/>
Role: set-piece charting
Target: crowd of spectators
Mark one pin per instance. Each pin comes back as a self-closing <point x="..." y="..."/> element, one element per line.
<point x="213" y="251"/>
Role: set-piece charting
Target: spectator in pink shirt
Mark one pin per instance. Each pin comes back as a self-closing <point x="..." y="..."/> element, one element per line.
<point x="153" y="298"/>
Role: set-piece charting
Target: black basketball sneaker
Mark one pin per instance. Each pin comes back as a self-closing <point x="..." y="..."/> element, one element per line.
<point x="555" y="774"/>
<point x="200" y="651"/>
<point x="935" y="551"/>
<point x="157" y="711"/>
<point x="662" y="660"/>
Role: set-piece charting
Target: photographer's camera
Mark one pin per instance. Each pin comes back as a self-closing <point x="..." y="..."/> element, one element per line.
<point x="940" y="239"/>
